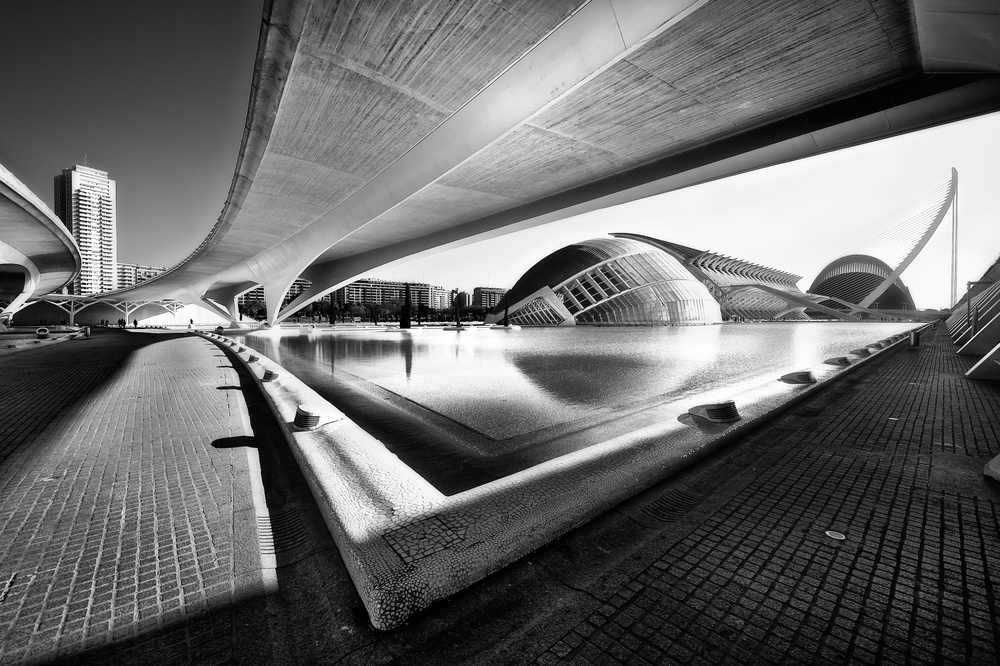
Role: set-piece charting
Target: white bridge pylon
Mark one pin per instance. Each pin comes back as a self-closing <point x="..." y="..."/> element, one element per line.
<point x="920" y="220"/>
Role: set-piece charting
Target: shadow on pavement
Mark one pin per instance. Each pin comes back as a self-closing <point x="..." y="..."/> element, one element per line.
<point x="40" y="383"/>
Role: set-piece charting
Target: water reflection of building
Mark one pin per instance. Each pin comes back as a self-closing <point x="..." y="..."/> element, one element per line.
<point x="609" y="281"/>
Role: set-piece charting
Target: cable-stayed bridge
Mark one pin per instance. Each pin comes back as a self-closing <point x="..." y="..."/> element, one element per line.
<point x="869" y="276"/>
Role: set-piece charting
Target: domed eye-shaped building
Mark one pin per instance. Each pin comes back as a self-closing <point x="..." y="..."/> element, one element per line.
<point x="855" y="277"/>
<point x="608" y="281"/>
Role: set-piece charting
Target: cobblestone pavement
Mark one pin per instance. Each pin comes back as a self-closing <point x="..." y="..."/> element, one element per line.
<point x="118" y="549"/>
<point x="892" y="460"/>
<point x="117" y="496"/>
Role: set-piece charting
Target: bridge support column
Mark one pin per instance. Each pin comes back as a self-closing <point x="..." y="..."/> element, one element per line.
<point x="227" y="298"/>
<point x="20" y="301"/>
<point x="20" y="262"/>
<point x="218" y="309"/>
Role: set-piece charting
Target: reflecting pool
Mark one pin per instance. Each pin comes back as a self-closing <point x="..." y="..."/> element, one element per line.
<point x="465" y="407"/>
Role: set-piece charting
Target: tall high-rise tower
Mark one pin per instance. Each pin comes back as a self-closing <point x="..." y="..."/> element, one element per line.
<point x="85" y="202"/>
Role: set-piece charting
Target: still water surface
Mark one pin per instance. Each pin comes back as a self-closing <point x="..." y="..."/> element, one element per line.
<point x="491" y="387"/>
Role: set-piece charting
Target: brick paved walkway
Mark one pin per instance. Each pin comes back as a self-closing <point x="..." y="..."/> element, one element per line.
<point x="892" y="460"/>
<point x="126" y="548"/>
<point x="118" y="487"/>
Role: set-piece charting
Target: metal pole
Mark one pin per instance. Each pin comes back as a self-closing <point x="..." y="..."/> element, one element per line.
<point x="954" y="246"/>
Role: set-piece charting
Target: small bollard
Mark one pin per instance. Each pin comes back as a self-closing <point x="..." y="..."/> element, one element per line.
<point x="719" y="412"/>
<point x="306" y="417"/>
<point x="253" y="359"/>
<point x="914" y="339"/>
<point x="269" y="376"/>
<point x="801" y="377"/>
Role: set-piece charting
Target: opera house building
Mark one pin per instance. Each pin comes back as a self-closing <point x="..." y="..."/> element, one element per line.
<point x="852" y="278"/>
<point x="637" y="280"/>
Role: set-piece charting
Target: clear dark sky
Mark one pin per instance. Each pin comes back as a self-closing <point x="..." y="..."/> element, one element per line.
<point x="155" y="93"/>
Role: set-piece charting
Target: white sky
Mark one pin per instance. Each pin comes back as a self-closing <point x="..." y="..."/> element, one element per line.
<point x="795" y="217"/>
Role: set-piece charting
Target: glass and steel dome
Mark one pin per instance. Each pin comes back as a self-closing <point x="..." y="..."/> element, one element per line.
<point x="609" y="281"/>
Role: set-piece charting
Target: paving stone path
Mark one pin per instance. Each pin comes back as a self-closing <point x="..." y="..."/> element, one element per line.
<point x="118" y="489"/>
<point x="894" y="464"/>
<point x="124" y="484"/>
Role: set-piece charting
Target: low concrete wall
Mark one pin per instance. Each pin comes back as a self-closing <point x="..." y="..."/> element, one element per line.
<point x="407" y="545"/>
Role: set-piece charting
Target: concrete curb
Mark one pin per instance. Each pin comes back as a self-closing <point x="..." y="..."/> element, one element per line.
<point x="406" y="545"/>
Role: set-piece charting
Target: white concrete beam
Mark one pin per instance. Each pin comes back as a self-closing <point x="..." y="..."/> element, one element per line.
<point x="216" y="308"/>
<point x="593" y="39"/>
<point x="988" y="367"/>
<point x="228" y="297"/>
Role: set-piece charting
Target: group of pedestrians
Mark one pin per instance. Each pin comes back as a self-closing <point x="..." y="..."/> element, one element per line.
<point x="122" y="323"/>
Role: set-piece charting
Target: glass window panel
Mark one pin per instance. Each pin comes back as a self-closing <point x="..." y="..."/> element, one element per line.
<point x="594" y="292"/>
<point x="602" y="280"/>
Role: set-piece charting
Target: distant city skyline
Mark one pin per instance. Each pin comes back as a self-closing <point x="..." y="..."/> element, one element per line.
<point x="166" y="117"/>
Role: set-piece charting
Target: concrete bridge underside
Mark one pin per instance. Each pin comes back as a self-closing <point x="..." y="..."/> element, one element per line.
<point x="380" y="132"/>
<point x="37" y="253"/>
